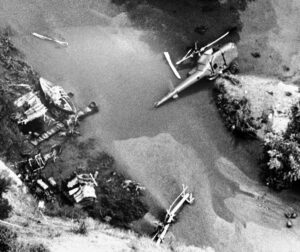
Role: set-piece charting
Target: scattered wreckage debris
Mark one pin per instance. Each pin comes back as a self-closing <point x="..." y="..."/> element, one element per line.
<point x="291" y="214"/>
<point x="62" y="43"/>
<point x="92" y="108"/>
<point x="80" y="189"/>
<point x="59" y="115"/>
<point x="32" y="106"/>
<point x="211" y="63"/>
<point x="133" y="186"/>
<point x="35" y="163"/>
<point x="58" y="126"/>
<point x="182" y="198"/>
<point x="29" y="171"/>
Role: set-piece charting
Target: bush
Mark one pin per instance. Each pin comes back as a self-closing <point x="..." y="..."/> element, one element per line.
<point x="282" y="162"/>
<point x="81" y="228"/>
<point x="8" y="239"/>
<point x="236" y="114"/>
<point x="4" y="185"/>
<point x="65" y="211"/>
<point x="282" y="155"/>
<point x="5" y="208"/>
<point x="37" y="248"/>
<point x="9" y="243"/>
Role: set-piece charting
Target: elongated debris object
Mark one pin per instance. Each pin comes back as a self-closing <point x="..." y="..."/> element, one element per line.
<point x="168" y="58"/>
<point x="63" y="43"/>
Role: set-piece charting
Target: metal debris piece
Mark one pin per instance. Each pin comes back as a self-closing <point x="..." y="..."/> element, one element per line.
<point x="46" y="135"/>
<point x="62" y="43"/>
<point x="171" y="213"/>
<point x="289" y="224"/>
<point x="81" y="188"/>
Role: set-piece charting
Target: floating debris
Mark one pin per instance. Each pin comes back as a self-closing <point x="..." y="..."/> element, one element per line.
<point x="62" y="43"/>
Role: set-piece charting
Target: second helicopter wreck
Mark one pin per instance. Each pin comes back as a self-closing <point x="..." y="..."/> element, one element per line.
<point x="51" y="107"/>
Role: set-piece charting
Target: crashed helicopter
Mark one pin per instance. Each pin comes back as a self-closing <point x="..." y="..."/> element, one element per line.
<point x="175" y="207"/>
<point x="211" y="63"/>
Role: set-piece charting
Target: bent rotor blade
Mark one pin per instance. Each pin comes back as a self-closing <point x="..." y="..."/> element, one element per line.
<point x="168" y="58"/>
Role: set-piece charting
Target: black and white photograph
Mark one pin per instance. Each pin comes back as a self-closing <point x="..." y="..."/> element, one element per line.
<point x="149" y="125"/>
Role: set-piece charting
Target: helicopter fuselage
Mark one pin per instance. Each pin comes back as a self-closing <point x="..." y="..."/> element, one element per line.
<point x="210" y="65"/>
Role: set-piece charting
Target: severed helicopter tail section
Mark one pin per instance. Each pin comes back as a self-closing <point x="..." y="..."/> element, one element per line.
<point x="183" y="197"/>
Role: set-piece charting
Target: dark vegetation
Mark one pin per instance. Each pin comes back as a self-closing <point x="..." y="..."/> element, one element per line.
<point x="115" y="203"/>
<point x="12" y="71"/>
<point x="282" y="156"/>
<point x="9" y="243"/>
<point x="5" y="208"/>
<point x="81" y="229"/>
<point x="235" y="113"/>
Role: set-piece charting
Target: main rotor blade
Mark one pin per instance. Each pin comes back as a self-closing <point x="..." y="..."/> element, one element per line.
<point x="168" y="58"/>
<point x="215" y="41"/>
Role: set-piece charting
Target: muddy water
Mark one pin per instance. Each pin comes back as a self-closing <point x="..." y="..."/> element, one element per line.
<point x="109" y="62"/>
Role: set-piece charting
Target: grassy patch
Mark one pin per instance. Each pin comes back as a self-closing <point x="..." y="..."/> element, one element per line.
<point x="9" y="243"/>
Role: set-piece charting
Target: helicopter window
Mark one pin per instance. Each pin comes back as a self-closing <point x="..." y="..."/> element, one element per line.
<point x="215" y="66"/>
